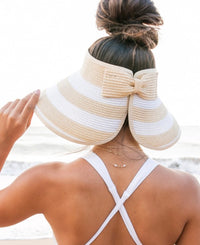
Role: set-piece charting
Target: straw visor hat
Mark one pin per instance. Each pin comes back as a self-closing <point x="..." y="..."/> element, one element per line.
<point x="90" y="106"/>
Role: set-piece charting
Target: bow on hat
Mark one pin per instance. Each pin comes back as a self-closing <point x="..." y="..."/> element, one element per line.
<point x="118" y="84"/>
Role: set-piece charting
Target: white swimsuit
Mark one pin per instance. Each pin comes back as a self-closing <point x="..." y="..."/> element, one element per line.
<point x="142" y="174"/>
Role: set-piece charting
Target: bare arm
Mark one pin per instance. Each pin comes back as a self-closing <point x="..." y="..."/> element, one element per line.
<point x="21" y="199"/>
<point x="24" y="197"/>
<point x="191" y="232"/>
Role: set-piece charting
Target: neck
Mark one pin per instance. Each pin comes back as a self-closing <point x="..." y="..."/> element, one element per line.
<point x="124" y="146"/>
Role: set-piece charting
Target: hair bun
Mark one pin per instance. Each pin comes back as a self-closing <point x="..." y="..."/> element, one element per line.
<point x="136" y="20"/>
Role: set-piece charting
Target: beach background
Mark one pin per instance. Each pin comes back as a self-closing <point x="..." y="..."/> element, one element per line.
<point x="43" y="41"/>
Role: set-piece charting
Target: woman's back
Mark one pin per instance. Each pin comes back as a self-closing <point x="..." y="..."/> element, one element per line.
<point x="159" y="209"/>
<point x="165" y="209"/>
<point x="111" y="103"/>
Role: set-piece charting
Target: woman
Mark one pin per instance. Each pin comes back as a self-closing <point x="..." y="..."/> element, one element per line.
<point x="115" y="194"/>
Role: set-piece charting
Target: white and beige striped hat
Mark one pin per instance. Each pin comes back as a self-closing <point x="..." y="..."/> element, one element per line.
<point x="90" y="106"/>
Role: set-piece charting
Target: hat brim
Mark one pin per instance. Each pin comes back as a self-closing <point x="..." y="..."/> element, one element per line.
<point x="76" y="110"/>
<point x="151" y="124"/>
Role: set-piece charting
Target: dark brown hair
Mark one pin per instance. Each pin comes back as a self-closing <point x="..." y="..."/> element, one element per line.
<point x="132" y="26"/>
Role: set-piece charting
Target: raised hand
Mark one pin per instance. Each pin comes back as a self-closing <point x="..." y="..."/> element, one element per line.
<point x="15" y="118"/>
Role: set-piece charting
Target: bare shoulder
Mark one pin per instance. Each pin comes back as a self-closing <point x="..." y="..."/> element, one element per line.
<point x="183" y="195"/>
<point x="54" y="174"/>
<point x="181" y="185"/>
<point x="182" y="179"/>
<point x="52" y="171"/>
<point x="40" y="177"/>
<point x="35" y="189"/>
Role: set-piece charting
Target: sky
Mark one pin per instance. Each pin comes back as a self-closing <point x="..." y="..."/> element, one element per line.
<point x="43" y="41"/>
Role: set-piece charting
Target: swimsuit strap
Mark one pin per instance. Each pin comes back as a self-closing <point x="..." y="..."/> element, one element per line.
<point x="100" y="167"/>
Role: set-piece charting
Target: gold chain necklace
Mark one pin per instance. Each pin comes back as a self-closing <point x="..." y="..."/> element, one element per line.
<point x="123" y="165"/>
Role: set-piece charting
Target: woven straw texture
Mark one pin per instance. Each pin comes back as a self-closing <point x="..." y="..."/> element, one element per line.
<point x="90" y="106"/>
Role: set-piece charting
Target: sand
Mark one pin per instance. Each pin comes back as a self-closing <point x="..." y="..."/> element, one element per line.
<point x="28" y="242"/>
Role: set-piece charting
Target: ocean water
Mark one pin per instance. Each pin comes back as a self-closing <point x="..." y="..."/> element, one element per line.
<point x="39" y="145"/>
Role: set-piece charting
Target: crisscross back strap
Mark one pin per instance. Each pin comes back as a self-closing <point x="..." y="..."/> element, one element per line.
<point x="100" y="167"/>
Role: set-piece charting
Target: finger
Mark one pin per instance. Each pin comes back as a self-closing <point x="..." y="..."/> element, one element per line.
<point x="5" y="107"/>
<point x="21" y="104"/>
<point x="29" y="120"/>
<point x="12" y="106"/>
<point x="30" y="105"/>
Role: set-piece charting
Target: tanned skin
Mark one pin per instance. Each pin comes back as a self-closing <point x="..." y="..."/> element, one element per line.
<point x="164" y="210"/>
